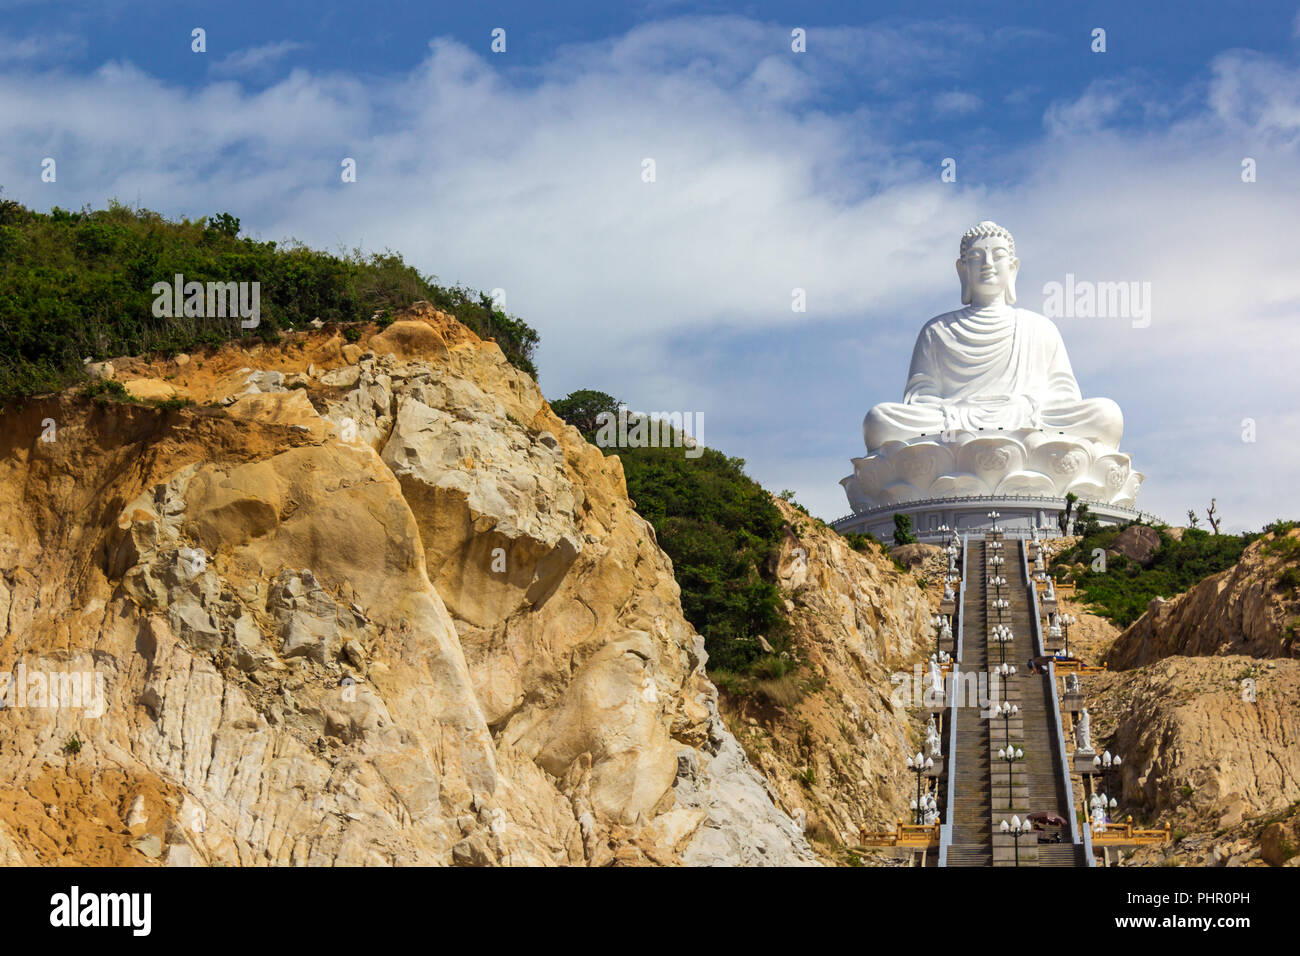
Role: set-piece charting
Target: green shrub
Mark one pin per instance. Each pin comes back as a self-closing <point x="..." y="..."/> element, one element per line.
<point x="78" y="284"/>
<point x="788" y="496"/>
<point x="1123" y="591"/>
<point x="172" y="404"/>
<point x="582" y="408"/>
<point x="903" y="529"/>
<point x="103" y="391"/>
<point x="722" y="532"/>
<point x="1289" y="580"/>
<point x="773" y="667"/>
<point x="859" y="542"/>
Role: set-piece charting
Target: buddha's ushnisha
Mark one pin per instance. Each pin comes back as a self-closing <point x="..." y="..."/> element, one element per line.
<point x="990" y="365"/>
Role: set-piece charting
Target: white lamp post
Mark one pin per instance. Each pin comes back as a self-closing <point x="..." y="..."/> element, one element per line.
<point x="1103" y="764"/>
<point x="1066" y="620"/>
<point x="1010" y="755"/>
<point x="1016" y="827"/>
<point x="1002" y="636"/>
<point x="1006" y="710"/>
<point x="919" y="765"/>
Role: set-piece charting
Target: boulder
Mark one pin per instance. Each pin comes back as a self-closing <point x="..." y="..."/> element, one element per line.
<point x="1137" y="543"/>
<point x="150" y="389"/>
<point x="1280" y="842"/>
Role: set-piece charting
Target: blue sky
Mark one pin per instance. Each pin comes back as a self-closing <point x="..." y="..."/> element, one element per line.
<point x="775" y="170"/>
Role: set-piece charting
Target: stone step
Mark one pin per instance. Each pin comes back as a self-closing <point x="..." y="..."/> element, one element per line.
<point x="969" y="855"/>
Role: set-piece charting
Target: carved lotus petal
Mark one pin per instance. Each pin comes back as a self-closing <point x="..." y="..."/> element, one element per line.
<point x="949" y="485"/>
<point x="898" y="493"/>
<point x="1127" y="496"/>
<point x="1026" y="483"/>
<point x="1087" y="488"/>
<point x="873" y="473"/>
<point x="1065" y="461"/>
<point x="858" y="500"/>
<point x="919" y="464"/>
<point x="1110" y="471"/>
<point x="992" y="458"/>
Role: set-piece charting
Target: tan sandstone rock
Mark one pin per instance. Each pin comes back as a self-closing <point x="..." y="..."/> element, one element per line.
<point x="308" y="655"/>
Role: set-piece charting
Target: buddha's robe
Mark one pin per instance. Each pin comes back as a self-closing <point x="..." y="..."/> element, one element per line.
<point x="990" y="368"/>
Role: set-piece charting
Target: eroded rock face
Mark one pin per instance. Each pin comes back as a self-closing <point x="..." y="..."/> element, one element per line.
<point x="1238" y="611"/>
<point x="500" y="514"/>
<point x="367" y="603"/>
<point x="831" y="739"/>
<point x="1209" y="747"/>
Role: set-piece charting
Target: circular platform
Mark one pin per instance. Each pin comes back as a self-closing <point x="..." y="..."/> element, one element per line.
<point x="1019" y="515"/>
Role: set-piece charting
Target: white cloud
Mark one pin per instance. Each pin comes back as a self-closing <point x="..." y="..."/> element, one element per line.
<point x="38" y="48"/>
<point x="676" y="294"/>
<point x="255" y="60"/>
<point x="956" y="103"/>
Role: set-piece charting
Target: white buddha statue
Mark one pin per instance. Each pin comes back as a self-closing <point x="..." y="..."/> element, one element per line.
<point x="932" y="742"/>
<point x="990" y="365"/>
<point x="1083" y="733"/>
<point x="991" y="404"/>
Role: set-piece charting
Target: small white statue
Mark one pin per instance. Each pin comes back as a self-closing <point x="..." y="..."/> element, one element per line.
<point x="1051" y="589"/>
<point x="948" y="594"/>
<point x="931" y="807"/>
<point x="1071" y="683"/>
<point x="932" y="742"/>
<point x="1098" y="818"/>
<point x="1083" y="733"/>
<point x="945" y="632"/>
<point x="1038" y="562"/>
<point x="934" y="684"/>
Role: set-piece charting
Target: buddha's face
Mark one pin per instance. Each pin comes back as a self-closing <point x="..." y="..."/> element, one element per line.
<point x="988" y="271"/>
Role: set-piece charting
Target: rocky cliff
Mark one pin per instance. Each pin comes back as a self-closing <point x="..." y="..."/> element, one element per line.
<point x="830" y="737"/>
<point x="1243" y="610"/>
<point x="361" y="603"/>
<point x="1205" y="717"/>
<point x="1211" y="745"/>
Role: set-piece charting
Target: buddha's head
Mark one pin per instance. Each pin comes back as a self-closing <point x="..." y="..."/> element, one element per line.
<point x="988" y="265"/>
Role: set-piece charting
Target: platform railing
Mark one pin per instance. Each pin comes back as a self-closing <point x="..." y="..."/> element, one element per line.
<point x="1041" y="500"/>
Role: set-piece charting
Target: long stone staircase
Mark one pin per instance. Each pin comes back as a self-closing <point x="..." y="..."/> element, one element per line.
<point x="985" y="790"/>
<point x="969" y="784"/>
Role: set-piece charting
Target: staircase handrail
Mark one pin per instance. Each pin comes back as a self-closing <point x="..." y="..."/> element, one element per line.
<point x="950" y="765"/>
